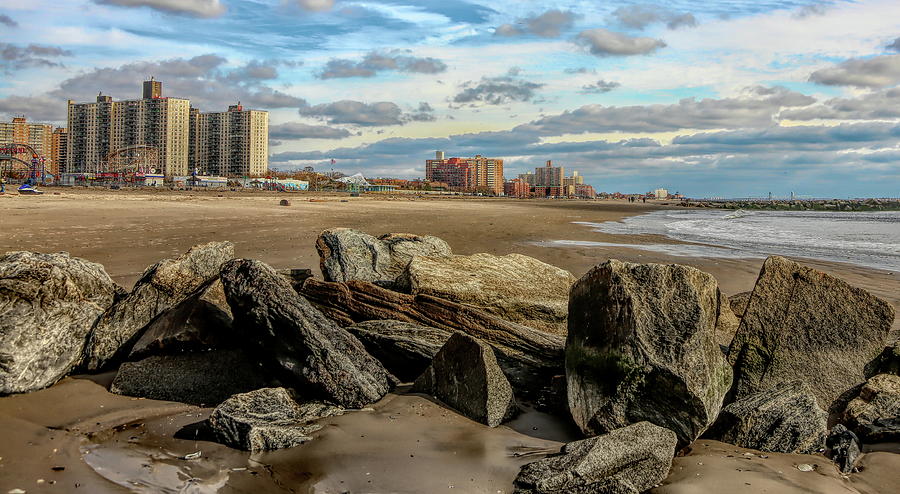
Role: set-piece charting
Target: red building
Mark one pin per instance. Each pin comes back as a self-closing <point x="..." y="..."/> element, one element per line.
<point x="517" y="188"/>
<point x="466" y="174"/>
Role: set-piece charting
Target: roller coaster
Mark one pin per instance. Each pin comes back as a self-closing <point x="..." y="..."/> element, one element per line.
<point x="14" y="168"/>
<point x="125" y="166"/>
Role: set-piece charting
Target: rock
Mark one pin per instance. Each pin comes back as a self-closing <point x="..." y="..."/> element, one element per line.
<point x="285" y="331"/>
<point x="296" y="276"/>
<point x="515" y="287"/>
<point x="642" y="346"/>
<point x="875" y="414"/>
<point x="346" y="254"/>
<point x="738" y="303"/>
<point x="889" y="360"/>
<point x="804" y="324"/>
<point x="200" y="322"/>
<point x="783" y="419"/>
<point x="48" y="303"/>
<point x="206" y="378"/>
<point x="528" y="357"/>
<point x="284" y="202"/>
<point x="465" y="375"/>
<point x="843" y="447"/>
<point x="267" y="419"/>
<point x="629" y="460"/>
<point x="162" y="285"/>
<point x="726" y="326"/>
<point x="405" y="349"/>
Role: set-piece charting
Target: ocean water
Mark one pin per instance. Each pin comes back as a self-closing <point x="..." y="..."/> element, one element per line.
<point x="870" y="239"/>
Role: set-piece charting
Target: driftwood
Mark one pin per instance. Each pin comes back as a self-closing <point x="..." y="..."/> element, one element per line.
<point x="529" y="357"/>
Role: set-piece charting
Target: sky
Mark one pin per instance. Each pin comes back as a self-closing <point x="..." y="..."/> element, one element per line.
<point x="720" y="98"/>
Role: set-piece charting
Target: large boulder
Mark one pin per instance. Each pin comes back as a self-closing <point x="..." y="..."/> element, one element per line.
<point x="267" y="419"/>
<point x="629" y="460"/>
<point x="738" y="303"/>
<point x="161" y="286"/>
<point x="48" y="303"/>
<point x="200" y="322"/>
<point x="875" y="414"/>
<point x="465" y="375"/>
<point x="726" y="326"/>
<point x="529" y="357"/>
<point x="203" y="378"/>
<point x="515" y="287"/>
<point x="642" y="346"/>
<point x="843" y="447"/>
<point x="285" y="331"/>
<point x="804" y="324"/>
<point x="405" y="349"/>
<point x="783" y="419"/>
<point x="346" y="254"/>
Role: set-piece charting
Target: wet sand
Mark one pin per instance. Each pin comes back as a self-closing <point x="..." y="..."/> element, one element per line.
<point x="109" y="443"/>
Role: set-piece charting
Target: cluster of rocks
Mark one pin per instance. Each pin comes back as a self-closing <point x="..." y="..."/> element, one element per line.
<point x="645" y="358"/>
<point x="801" y="204"/>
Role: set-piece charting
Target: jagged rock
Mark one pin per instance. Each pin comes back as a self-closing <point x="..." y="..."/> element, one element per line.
<point x="200" y="322"/>
<point x="346" y="254"/>
<point x="804" y="324"/>
<point x="515" y="287"/>
<point x="629" y="460"/>
<point x="162" y="285"/>
<point x="783" y="419"/>
<point x="843" y="447"/>
<point x="875" y="414"/>
<point x="267" y="419"/>
<point x="528" y="357"/>
<point x="48" y="303"/>
<point x="205" y="378"/>
<point x="889" y="360"/>
<point x="465" y="375"/>
<point x="738" y="303"/>
<point x="642" y="346"/>
<point x="405" y="349"/>
<point x="726" y="326"/>
<point x="285" y="331"/>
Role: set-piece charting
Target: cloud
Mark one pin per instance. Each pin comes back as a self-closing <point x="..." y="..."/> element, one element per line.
<point x="809" y="11"/>
<point x="895" y="45"/>
<point x="357" y="113"/>
<point x="878" y="105"/>
<point x="600" y="86"/>
<point x="375" y="62"/>
<point x="14" y="57"/>
<point x="297" y="130"/>
<point x="872" y="72"/>
<point x="496" y="91"/>
<point x="580" y="70"/>
<point x="755" y="107"/>
<point x="316" y="5"/>
<point x="42" y="108"/>
<point x="642" y="15"/>
<point x="195" y="8"/>
<point x="605" y="43"/>
<point x="550" y="24"/>
<point x="7" y="21"/>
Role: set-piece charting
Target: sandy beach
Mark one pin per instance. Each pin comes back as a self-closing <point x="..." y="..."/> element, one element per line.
<point x="405" y="443"/>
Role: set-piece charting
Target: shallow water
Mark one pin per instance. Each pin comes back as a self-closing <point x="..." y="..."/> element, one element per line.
<point x="870" y="239"/>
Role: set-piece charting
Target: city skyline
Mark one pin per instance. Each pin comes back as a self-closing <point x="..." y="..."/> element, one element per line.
<point x="723" y="99"/>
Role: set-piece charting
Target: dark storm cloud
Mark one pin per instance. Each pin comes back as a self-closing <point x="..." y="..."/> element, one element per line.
<point x="15" y="57"/>
<point x="642" y="15"/>
<point x="496" y="91"/>
<point x="8" y="21"/>
<point x="599" y="87"/>
<point x="872" y="72"/>
<point x="194" y="8"/>
<point x="550" y="24"/>
<point x="375" y="62"/>
<point x="605" y="43"/>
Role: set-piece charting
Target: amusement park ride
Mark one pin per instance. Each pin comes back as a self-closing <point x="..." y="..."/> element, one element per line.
<point x="14" y="168"/>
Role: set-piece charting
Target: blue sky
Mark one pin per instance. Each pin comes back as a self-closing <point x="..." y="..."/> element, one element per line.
<point x="715" y="98"/>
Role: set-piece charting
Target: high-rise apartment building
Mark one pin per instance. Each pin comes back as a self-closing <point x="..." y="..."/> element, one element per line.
<point x="549" y="175"/>
<point x="467" y="174"/>
<point x="103" y="127"/>
<point x="36" y="135"/>
<point x="231" y="143"/>
<point x="59" y="145"/>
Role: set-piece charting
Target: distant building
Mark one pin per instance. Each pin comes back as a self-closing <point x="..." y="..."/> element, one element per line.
<point x="660" y="193"/>
<point x="575" y="179"/>
<point x="59" y="145"/>
<point x="466" y="174"/>
<point x="527" y="178"/>
<point x="37" y="135"/>
<point x="517" y="188"/>
<point x="152" y="89"/>
<point x="549" y="175"/>
<point x="231" y="143"/>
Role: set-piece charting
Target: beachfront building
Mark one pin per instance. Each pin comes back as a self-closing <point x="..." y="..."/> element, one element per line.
<point x="230" y="143"/>
<point x="104" y="126"/>
<point x="549" y="176"/>
<point x="59" y="145"/>
<point x="37" y="135"/>
<point x="660" y="193"/>
<point x="478" y="174"/>
<point x="517" y="188"/>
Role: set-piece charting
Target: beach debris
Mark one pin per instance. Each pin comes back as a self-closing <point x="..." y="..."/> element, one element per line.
<point x="284" y="202"/>
<point x="796" y="316"/>
<point x="621" y="366"/>
<point x="782" y="419"/>
<point x="346" y="254"/>
<point x="875" y="414"/>
<point x="843" y="448"/>
<point x="58" y="468"/>
<point x="630" y="459"/>
<point x="465" y="375"/>
<point x="267" y="419"/>
<point x="47" y="306"/>
<point x="805" y="467"/>
<point x="191" y="456"/>
<point x="284" y="330"/>
<point x="16" y="491"/>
